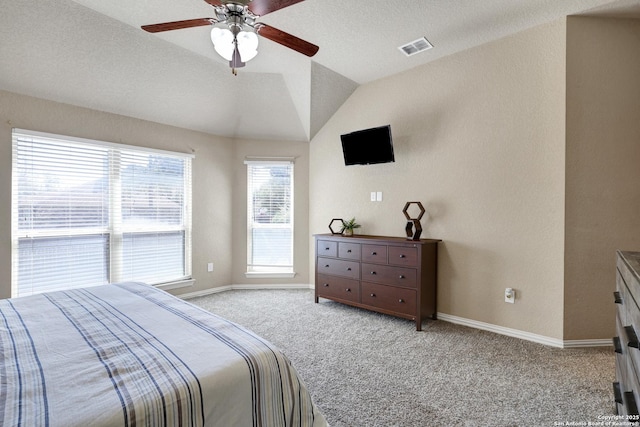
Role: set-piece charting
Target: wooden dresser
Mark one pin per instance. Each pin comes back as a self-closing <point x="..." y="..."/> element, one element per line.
<point x="626" y="389"/>
<point x="390" y="275"/>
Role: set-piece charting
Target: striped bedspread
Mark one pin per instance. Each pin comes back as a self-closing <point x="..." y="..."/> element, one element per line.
<point x="132" y="355"/>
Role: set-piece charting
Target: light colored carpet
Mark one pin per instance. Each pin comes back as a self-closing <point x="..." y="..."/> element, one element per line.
<point x="368" y="369"/>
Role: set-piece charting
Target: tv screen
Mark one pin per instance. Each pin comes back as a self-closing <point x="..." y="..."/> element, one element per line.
<point x="368" y="146"/>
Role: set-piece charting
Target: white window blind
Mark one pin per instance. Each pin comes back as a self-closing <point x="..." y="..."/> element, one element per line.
<point x="270" y="216"/>
<point x="88" y="213"/>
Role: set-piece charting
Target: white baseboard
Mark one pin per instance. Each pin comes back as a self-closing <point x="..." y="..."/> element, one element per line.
<point x="528" y="336"/>
<point x="516" y="333"/>
<point x="176" y="285"/>
<point x="588" y="343"/>
<point x="204" y="293"/>
<point x="281" y="286"/>
<point x="232" y="287"/>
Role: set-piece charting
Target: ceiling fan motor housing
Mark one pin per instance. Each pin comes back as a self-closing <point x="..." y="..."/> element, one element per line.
<point x="236" y="16"/>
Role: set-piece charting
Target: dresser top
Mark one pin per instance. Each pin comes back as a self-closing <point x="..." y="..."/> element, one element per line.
<point x="632" y="259"/>
<point x="359" y="238"/>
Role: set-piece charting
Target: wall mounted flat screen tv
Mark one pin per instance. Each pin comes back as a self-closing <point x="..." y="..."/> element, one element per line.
<point x="368" y="146"/>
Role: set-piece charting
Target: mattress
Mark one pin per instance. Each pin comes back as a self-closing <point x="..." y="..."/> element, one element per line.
<point x="132" y="355"/>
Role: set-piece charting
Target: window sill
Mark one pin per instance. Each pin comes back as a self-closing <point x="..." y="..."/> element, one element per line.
<point x="268" y="275"/>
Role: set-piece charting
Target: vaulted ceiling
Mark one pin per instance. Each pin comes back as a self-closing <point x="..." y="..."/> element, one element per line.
<point x="92" y="53"/>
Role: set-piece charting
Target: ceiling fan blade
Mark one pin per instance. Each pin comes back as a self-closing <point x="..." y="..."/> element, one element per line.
<point x="286" y="39"/>
<point x="262" y="7"/>
<point x="177" y="25"/>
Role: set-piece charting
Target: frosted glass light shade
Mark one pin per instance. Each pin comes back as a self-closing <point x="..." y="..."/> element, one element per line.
<point x="222" y="40"/>
<point x="247" y="45"/>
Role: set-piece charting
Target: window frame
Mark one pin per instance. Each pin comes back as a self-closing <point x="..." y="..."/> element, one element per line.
<point x="270" y="271"/>
<point x="114" y="229"/>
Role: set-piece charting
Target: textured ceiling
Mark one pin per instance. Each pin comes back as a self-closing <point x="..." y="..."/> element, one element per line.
<point x="92" y="53"/>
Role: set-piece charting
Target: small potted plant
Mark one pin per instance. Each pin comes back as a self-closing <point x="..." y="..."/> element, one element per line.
<point x="348" y="226"/>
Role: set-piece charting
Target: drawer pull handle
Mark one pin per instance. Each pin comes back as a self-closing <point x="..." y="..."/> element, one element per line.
<point x="348" y="289"/>
<point x="400" y="300"/>
<point x="326" y="285"/>
<point x="617" y="347"/>
<point x="373" y="273"/>
<point x="348" y="251"/>
<point x="348" y="268"/>
<point x="633" y="338"/>
<point x="327" y="265"/>
<point x="617" y="393"/>
<point x="617" y="298"/>
<point x="374" y="253"/>
<point x="402" y="256"/>
<point x="630" y="403"/>
<point x="326" y="249"/>
<point x="401" y="276"/>
<point x="373" y="295"/>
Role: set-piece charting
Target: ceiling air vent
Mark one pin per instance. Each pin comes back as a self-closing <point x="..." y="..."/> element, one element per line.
<point x="416" y="46"/>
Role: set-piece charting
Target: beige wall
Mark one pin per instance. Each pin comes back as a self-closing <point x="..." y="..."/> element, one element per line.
<point x="479" y="140"/>
<point x="212" y="175"/>
<point x="603" y="167"/>
<point x="300" y="151"/>
<point x="219" y="184"/>
<point x="494" y="141"/>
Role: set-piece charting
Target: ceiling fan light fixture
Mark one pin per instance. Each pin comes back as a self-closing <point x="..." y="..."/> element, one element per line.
<point x="235" y="29"/>
<point x="222" y="40"/>
<point x="225" y="44"/>
<point x="247" y="45"/>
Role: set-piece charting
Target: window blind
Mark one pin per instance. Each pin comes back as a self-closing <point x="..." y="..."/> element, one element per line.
<point x="270" y="216"/>
<point x="88" y="213"/>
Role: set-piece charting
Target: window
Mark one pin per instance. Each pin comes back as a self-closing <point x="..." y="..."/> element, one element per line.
<point x="270" y="218"/>
<point x="90" y="213"/>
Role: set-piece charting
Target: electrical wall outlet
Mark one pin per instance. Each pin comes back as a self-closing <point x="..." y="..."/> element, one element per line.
<point x="379" y="196"/>
<point x="373" y="196"/>
<point x="210" y="267"/>
<point x="510" y="295"/>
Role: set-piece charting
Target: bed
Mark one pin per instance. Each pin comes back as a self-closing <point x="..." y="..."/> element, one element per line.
<point x="132" y="355"/>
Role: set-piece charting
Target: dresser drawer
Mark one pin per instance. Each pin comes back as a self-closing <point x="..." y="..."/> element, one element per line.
<point x="621" y="297"/>
<point x="327" y="248"/>
<point x="632" y="399"/>
<point x="349" y="251"/>
<point x="633" y="286"/>
<point x="619" y="380"/>
<point x="629" y="341"/>
<point x="405" y="256"/>
<point x="339" y="267"/>
<point x="630" y="313"/>
<point x="390" y="298"/>
<point x="338" y="287"/>
<point x="374" y="253"/>
<point x="621" y="350"/>
<point x="390" y="275"/>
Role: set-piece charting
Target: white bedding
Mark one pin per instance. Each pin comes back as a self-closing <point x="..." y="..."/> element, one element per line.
<point x="129" y="354"/>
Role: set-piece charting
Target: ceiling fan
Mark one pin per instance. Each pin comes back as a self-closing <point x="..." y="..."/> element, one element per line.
<point x="235" y="28"/>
